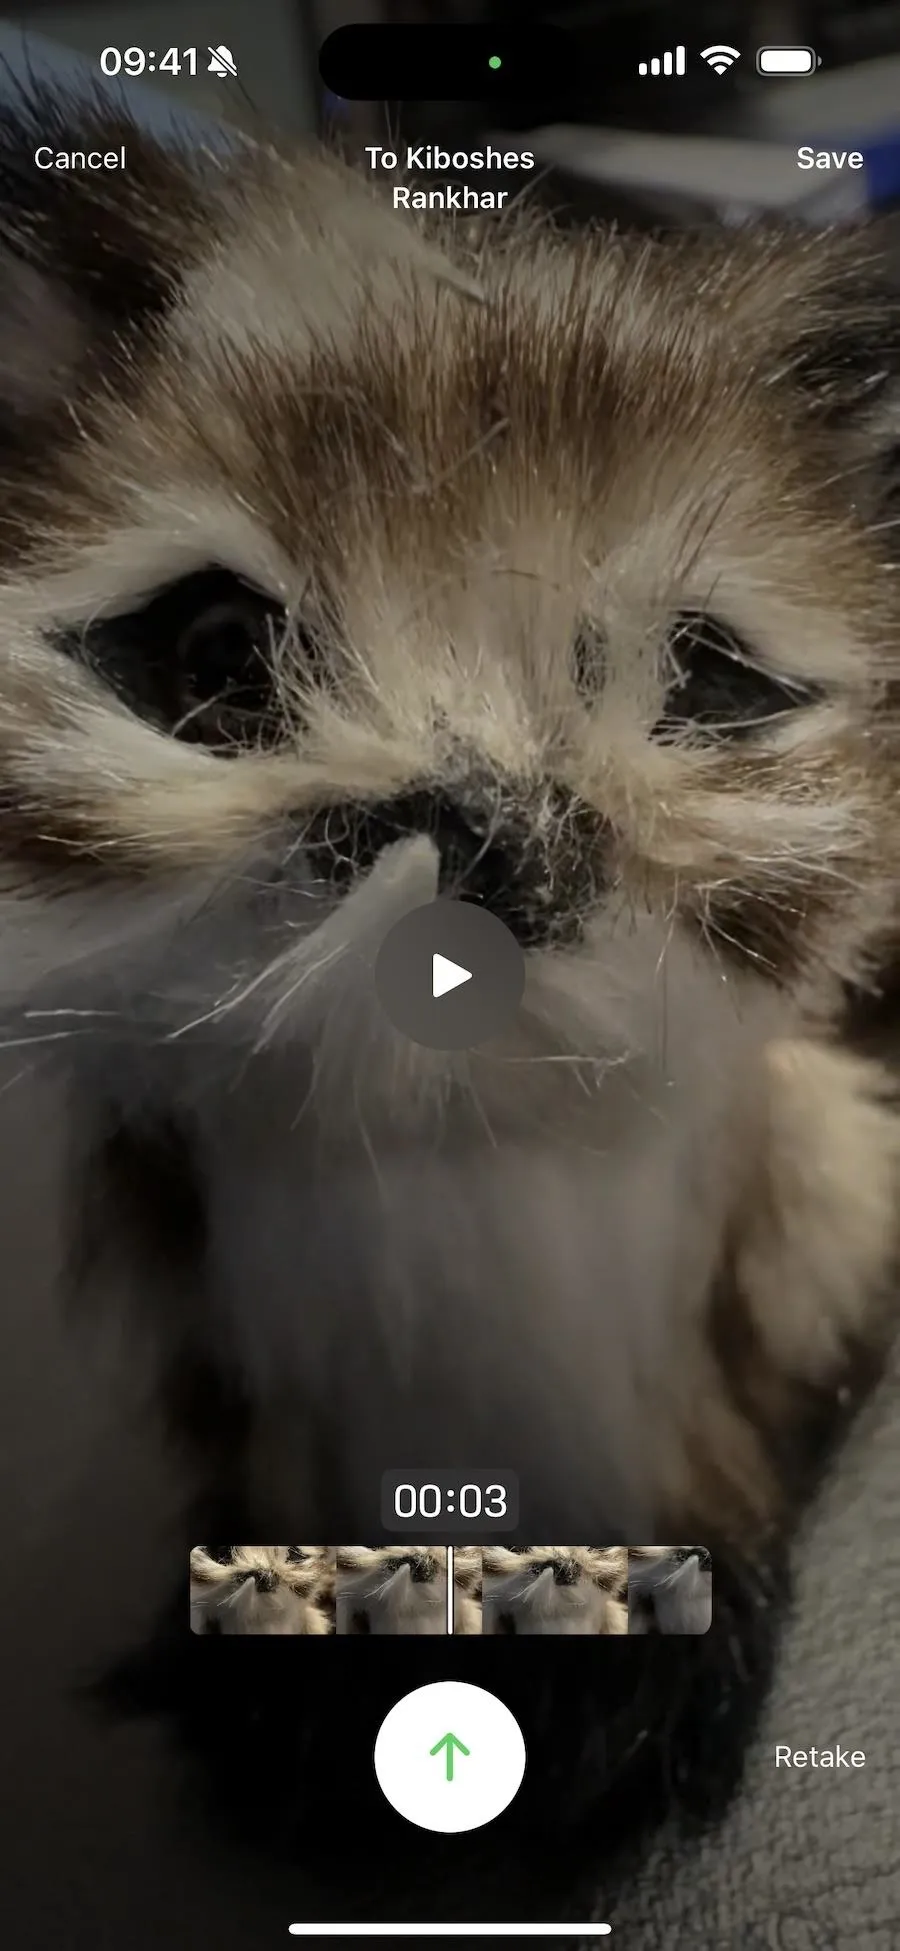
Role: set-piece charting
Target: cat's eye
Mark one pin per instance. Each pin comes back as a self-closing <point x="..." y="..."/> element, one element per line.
<point x="221" y="633"/>
<point x="295" y="1556"/>
<point x="197" y="658"/>
<point x="714" y="684"/>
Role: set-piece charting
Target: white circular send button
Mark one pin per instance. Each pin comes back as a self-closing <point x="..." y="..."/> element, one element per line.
<point x="449" y="1756"/>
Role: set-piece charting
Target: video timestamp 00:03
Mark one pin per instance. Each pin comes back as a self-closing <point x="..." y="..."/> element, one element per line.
<point x="442" y="1499"/>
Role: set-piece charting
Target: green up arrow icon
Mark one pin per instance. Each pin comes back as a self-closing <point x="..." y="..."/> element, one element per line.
<point x="449" y="1741"/>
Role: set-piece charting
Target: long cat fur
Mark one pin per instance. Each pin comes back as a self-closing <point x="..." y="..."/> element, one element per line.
<point x="669" y="1589"/>
<point x="642" y="1247"/>
<point x="403" y="1589"/>
<point x="555" y="1589"/>
<point x="283" y="1589"/>
<point x="380" y="1590"/>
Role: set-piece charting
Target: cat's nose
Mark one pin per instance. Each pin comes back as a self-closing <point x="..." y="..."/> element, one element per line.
<point x="540" y="871"/>
<point x="265" y="1581"/>
<point x="498" y="862"/>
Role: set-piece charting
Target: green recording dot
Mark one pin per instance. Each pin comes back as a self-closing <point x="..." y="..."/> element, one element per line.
<point x="494" y="61"/>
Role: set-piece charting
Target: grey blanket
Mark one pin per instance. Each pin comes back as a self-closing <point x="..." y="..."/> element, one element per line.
<point x="809" y="1860"/>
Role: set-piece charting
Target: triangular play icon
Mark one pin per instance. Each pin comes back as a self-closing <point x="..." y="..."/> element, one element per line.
<point x="446" y="975"/>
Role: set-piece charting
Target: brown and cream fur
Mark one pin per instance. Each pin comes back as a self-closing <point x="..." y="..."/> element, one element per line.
<point x="403" y="1589"/>
<point x="669" y="1589"/>
<point x="467" y="1590"/>
<point x="503" y="505"/>
<point x="555" y="1589"/>
<point x="281" y="1589"/>
<point x="383" y="1590"/>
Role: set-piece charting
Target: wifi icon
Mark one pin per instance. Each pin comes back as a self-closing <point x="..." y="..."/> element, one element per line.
<point x="720" y="58"/>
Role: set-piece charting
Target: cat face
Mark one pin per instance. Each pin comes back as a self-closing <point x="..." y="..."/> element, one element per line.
<point x="281" y="1589"/>
<point x="333" y="592"/>
<point x="555" y="1589"/>
<point x="669" y="1589"/>
<point x="387" y="1590"/>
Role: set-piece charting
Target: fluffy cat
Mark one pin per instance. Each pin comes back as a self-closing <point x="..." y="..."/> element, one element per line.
<point x="282" y="1589"/>
<point x="342" y="564"/>
<point x="383" y="1590"/>
<point x="669" y="1589"/>
<point x="555" y="1589"/>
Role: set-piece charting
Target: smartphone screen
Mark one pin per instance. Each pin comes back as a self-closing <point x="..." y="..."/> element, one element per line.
<point x="450" y="874"/>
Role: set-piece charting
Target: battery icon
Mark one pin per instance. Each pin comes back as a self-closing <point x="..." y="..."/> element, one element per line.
<point x="787" y="60"/>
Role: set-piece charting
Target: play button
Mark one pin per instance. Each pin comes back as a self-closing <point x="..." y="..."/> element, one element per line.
<point x="450" y="975"/>
<point x="446" y="975"/>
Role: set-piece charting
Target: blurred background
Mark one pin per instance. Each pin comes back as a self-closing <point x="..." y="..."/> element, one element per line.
<point x="719" y="141"/>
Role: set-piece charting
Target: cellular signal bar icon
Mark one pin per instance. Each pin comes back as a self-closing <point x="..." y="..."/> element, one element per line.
<point x="664" y="64"/>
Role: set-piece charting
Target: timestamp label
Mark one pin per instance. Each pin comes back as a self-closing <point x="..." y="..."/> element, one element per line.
<point x="486" y="1501"/>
